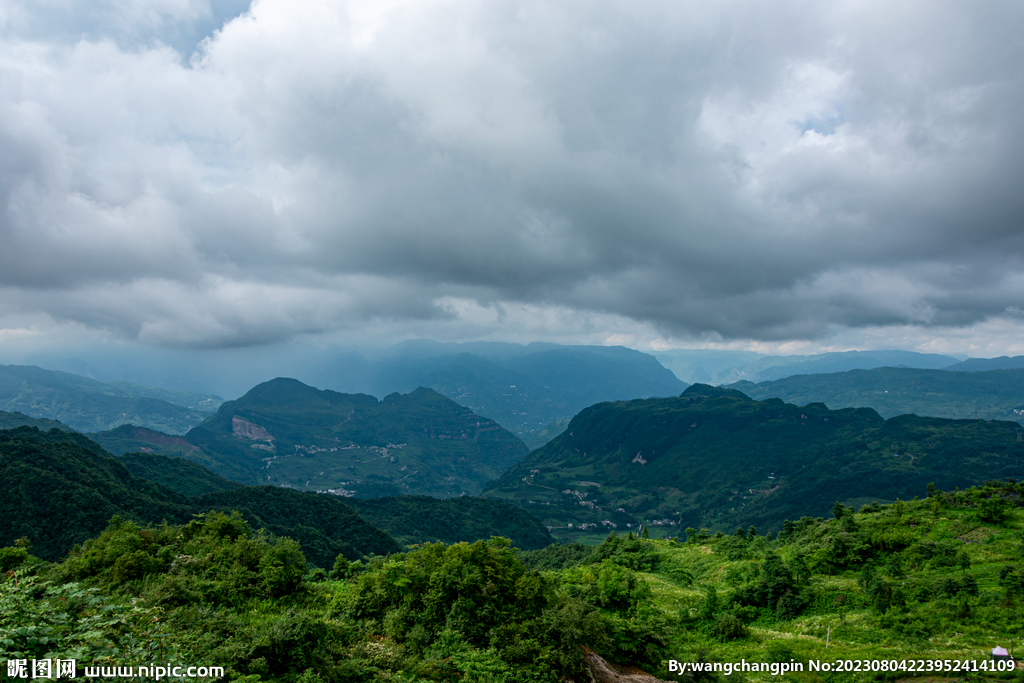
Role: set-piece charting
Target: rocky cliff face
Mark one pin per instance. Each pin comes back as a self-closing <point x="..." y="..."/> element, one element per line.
<point x="248" y="430"/>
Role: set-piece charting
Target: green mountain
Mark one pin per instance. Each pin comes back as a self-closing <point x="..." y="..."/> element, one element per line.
<point x="715" y="458"/>
<point x="285" y="433"/>
<point x="131" y="439"/>
<point x="993" y="394"/>
<point x="524" y="388"/>
<point x="420" y="519"/>
<point x="62" y="488"/>
<point x="547" y="433"/>
<point x="90" y="406"/>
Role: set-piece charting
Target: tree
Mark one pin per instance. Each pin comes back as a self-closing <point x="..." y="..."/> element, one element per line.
<point x="709" y="606"/>
<point x="282" y="567"/>
<point x="800" y="569"/>
<point x="994" y="509"/>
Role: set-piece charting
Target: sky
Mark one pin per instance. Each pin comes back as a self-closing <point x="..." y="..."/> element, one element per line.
<point x="196" y="177"/>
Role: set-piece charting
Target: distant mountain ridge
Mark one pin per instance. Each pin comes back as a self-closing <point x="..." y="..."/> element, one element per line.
<point x="90" y="406"/>
<point x="983" y="364"/>
<point x="528" y="389"/>
<point x="524" y="388"/>
<point x="286" y="433"/>
<point x="985" y="394"/>
<point x="726" y="367"/>
<point x="716" y="458"/>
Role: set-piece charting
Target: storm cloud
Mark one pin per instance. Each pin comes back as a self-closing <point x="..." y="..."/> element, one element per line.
<point x="734" y="170"/>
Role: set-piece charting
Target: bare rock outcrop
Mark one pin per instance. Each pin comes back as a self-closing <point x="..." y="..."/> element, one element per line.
<point x="603" y="672"/>
<point x="248" y="430"/>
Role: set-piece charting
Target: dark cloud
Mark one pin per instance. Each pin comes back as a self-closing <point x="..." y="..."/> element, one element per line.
<point x="740" y="170"/>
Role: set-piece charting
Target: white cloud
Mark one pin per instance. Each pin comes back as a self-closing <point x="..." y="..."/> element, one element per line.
<point x="666" y="171"/>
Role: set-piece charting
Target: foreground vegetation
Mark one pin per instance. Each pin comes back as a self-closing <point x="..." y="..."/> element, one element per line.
<point x="936" y="578"/>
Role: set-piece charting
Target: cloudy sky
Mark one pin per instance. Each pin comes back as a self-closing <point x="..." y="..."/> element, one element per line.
<point x="777" y="176"/>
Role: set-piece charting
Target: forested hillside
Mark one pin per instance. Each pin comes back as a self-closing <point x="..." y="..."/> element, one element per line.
<point x="716" y="458"/>
<point x="62" y="488"/>
<point x="420" y="519"/>
<point x="178" y="474"/>
<point x="323" y="525"/>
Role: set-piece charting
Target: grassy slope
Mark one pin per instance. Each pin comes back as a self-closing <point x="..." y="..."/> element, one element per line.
<point x="930" y="626"/>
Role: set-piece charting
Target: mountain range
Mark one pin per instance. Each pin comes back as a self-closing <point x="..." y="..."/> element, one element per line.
<point x="532" y="390"/>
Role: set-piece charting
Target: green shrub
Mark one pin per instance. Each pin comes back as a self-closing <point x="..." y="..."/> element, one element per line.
<point x="730" y="627"/>
<point x="11" y="558"/>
